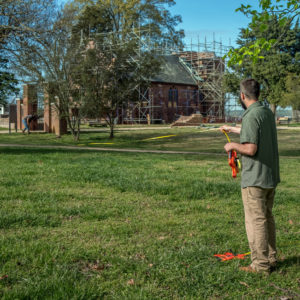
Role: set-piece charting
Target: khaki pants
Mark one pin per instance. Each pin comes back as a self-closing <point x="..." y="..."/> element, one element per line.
<point x="260" y="226"/>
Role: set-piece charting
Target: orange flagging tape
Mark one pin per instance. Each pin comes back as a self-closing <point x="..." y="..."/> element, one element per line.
<point x="229" y="255"/>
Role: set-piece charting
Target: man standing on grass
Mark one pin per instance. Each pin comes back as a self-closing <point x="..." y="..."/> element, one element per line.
<point x="260" y="175"/>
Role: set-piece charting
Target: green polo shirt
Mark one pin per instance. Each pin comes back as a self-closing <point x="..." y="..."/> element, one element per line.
<point x="258" y="127"/>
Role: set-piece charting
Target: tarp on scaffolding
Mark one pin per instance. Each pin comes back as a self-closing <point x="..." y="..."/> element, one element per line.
<point x="172" y="71"/>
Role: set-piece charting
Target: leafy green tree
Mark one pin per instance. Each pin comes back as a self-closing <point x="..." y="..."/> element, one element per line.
<point x="278" y="62"/>
<point x="292" y="95"/>
<point x="150" y="17"/>
<point x="117" y="60"/>
<point x="18" y="17"/>
<point x="49" y="46"/>
<point x="108" y="80"/>
<point x="286" y="11"/>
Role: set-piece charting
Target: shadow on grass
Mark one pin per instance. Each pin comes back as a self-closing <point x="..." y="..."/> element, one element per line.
<point x="31" y="150"/>
<point x="97" y="130"/>
<point x="288" y="262"/>
<point x="295" y="153"/>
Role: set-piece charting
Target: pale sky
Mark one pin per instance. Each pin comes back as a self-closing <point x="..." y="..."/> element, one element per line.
<point x="211" y="17"/>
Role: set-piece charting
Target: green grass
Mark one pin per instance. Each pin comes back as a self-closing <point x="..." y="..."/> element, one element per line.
<point x="90" y="225"/>
<point x="190" y="139"/>
<point x="86" y="126"/>
<point x="3" y="129"/>
<point x="294" y="125"/>
<point x="185" y="139"/>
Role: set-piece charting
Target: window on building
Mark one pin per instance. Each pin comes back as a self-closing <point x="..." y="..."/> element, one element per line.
<point x="173" y="97"/>
<point x="170" y="98"/>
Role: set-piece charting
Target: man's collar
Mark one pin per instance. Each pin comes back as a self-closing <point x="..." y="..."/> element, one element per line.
<point x="253" y="105"/>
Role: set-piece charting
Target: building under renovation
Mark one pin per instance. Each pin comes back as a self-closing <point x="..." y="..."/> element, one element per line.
<point x="189" y="83"/>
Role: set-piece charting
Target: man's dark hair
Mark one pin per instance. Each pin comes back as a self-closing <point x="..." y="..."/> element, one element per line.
<point x="250" y="88"/>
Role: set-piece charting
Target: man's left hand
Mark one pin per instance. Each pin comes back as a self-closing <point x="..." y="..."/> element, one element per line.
<point x="228" y="147"/>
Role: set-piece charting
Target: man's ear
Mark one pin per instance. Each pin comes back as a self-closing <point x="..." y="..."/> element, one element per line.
<point x="243" y="96"/>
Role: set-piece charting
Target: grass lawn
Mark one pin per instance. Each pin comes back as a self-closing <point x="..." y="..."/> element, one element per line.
<point x="89" y="225"/>
<point x="178" y="139"/>
<point x="294" y="125"/>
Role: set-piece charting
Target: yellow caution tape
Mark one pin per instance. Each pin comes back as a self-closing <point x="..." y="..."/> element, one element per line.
<point x="238" y="161"/>
<point x="228" y="139"/>
<point x="101" y="143"/>
<point x="160" y="137"/>
<point x="239" y="164"/>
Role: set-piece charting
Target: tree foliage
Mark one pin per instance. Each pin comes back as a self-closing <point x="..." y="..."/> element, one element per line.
<point x="117" y="39"/>
<point x="49" y="46"/>
<point x="151" y="16"/>
<point x="19" y="20"/>
<point x="8" y="82"/>
<point x="286" y="11"/>
<point x="292" y="95"/>
<point x="18" y="17"/>
<point x="108" y="80"/>
<point x="279" y="61"/>
<point x="39" y="51"/>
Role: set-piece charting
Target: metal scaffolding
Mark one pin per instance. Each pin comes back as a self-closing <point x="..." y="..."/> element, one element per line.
<point x="203" y="60"/>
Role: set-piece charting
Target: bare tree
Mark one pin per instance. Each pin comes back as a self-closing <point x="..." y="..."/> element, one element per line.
<point x="40" y="51"/>
<point x="19" y="17"/>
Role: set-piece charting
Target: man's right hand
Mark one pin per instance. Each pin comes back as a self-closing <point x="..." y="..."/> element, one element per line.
<point x="228" y="129"/>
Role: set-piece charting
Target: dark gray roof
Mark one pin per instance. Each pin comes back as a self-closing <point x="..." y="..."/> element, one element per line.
<point x="173" y="71"/>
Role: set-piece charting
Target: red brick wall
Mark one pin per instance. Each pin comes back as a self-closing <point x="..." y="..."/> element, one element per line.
<point x="19" y="114"/>
<point x="52" y="121"/>
<point x="58" y="125"/>
<point x="168" y="109"/>
<point x="47" y="112"/>
<point x="27" y="106"/>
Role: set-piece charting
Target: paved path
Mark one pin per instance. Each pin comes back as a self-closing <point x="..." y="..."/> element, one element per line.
<point x="109" y="149"/>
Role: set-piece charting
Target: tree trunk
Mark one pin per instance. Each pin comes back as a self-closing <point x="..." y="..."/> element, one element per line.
<point x="111" y="126"/>
<point x="71" y="127"/>
<point x="75" y="133"/>
<point x="78" y="129"/>
<point x="273" y="109"/>
<point x="296" y="115"/>
<point x="110" y="122"/>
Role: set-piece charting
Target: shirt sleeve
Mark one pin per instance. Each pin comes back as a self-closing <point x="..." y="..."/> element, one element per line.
<point x="250" y="131"/>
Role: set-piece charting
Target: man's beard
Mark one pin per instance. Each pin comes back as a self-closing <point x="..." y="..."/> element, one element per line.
<point x="243" y="104"/>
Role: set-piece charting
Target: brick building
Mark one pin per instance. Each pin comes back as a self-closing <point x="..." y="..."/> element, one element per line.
<point x="174" y="91"/>
<point x="180" y="89"/>
<point x="187" y="84"/>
